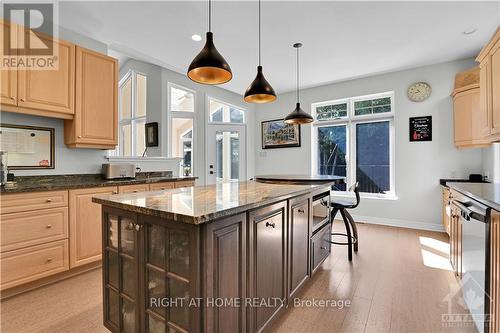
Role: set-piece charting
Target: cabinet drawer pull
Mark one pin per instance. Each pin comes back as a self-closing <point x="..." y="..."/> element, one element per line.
<point x="49" y="226"/>
<point x="300" y="210"/>
<point x="115" y="192"/>
<point x="79" y="137"/>
<point x="130" y="226"/>
<point x="22" y="100"/>
<point x="135" y="191"/>
<point x="323" y="248"/>
<point x="13" y="98"/>
<point x="269" y="224"/>
<point x="49" y="200"/>
<point x="49" y="260"/>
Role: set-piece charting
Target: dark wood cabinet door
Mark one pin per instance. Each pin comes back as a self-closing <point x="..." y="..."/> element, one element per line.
<point x="320" y="246"/>
<point x="225" y="259"/>
<point x="267" y="264"/>
<point x="298" y="245"/>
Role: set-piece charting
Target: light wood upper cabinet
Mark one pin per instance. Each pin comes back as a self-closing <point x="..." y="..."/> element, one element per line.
<point x="50" y="89"/>
<point x="85" y="225"/>
<point x="95" y="124"/>
<point x="8" y="84"/>
<point x="489" y="62"/>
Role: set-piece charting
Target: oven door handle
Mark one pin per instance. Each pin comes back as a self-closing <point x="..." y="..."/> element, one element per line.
<point x="464" y="211"/>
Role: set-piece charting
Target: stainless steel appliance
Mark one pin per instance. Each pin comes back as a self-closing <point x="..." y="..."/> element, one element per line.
<point x="118" y="170"/>
<point x="474" y="219"/>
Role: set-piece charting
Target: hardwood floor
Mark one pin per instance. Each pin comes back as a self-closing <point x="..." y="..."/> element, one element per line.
<point x="398" y="282"/>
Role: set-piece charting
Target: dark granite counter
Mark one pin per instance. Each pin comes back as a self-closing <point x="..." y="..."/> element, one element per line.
<point x="300" y="179"/>
<point x="445" y="181"/>
<point x="486" y="193"/>
<point x="200" y="204"/>
<point x="66" y="182"/>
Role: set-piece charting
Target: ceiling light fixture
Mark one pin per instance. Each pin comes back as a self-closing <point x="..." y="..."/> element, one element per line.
<point x="209" y="66"/>
<point x="298" y="116"/>
<point x="196" y="37"/>
<point x="259" y="91"/>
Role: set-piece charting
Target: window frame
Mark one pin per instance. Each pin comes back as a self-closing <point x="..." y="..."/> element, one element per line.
<point x="119" y="151"/>
<point x="181" y="115"/>
<point x="230" y="106"/>
<point x="351" y="132"/>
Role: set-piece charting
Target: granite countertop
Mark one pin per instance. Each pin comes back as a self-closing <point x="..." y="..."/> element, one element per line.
<point x="445" y="181"/>
<point x="486" y="193"/>
<point x="201" y="204"/>
<point x="66" y="182"/>
<point x="302" y="178"/>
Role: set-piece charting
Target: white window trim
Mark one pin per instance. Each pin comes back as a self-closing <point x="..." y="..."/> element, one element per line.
<point x="350" y="122"/>
<point x="184" y="115"/>
<point x="132" y="75"/>
<point x="230" y="105"/>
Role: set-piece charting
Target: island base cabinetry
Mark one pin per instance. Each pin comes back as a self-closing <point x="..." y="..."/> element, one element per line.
<point x="231" y="274"/>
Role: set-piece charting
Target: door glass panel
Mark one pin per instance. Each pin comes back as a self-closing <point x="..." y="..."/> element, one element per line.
<point x="128" y="316"/>
<point x="227" y="150"/>
<point x="179" y="314"/>
<point x="126" y="139"/>
<point x="128" y="276"/>
<point x="178" y="252"/>
<point x="156" y="290"/>
<point x="113" y="307"/>
<point x="155" y="325"/>
<point x="156" y="245"/>
<point x="332" y="148"/>
<point x="112" y="271"/>
<point x="181" y="100"/>
<point x="127" y="236"/>
<point x="140" y="139"/>
<point x="113" y="231"/>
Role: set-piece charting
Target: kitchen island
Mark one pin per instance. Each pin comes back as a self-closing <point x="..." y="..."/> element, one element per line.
<point x="219" y="258"/>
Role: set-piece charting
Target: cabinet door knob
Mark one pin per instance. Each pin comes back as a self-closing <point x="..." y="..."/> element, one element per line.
<point x="22" y="100"/>
<point x="49" y="200"/>
<point x="130" y="226"/>
<point x="79" y="137"/>
<point x="300" y="210"/>
<point x="269" y="224"/>
<point x="49" y="226"/>
<point x="323" y="247"/>
<point x="135" y="191"/>
<point x="49" y="260"/>
<point x="115" y="192"/>
<point x="13" y="98"/>
<point x="137" y="227"/>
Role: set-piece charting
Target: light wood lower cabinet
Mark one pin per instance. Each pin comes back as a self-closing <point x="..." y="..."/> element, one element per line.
<point x="187" y="183"/>
<point x="161" y="186"/>
<point x="18" y="230"/>
<point x="32" y="263"/>
<point x="133" y="188"/>
<point x="85" y="225"/>
<point x="21" y="202"/>
<point x="456" y="241"/>
<point x="446" y="209"/>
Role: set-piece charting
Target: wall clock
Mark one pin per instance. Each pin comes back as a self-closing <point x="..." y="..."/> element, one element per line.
<point x="419" y="91"/>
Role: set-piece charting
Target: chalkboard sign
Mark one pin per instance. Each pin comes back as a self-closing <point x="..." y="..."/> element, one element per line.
<point x="421" y="128"/>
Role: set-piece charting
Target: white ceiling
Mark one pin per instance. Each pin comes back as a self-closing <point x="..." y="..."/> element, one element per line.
<point x="342" y="40"/>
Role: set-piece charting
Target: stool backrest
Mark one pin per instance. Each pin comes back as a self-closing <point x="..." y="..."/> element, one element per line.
<point x="355" y="188"/>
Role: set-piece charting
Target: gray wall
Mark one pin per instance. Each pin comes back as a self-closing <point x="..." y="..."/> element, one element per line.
<point x="418" y="166"/>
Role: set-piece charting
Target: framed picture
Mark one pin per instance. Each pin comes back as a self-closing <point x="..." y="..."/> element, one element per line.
<point x="421" y="129"/>
<point x="277" y="134"/>
<point x="151" y="134"/>
<point x="28" y="147"/>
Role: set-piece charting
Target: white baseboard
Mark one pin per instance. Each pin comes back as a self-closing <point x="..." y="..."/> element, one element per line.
<point x="397" y="223"/>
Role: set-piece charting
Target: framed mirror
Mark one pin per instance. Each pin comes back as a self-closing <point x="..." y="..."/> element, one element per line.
<point x="28" y="147"/>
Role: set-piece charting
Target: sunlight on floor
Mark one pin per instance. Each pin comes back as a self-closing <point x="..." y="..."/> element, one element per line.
<point x="437" y="253"/>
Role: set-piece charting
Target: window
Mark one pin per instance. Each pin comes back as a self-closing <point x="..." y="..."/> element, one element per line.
<point x="354" y="138"/>
<point x="224" y="113"/>
<point x="132" y="111"/>
<point x="182" y="115"/>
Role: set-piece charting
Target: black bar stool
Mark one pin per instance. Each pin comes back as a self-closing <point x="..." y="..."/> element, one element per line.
<point x="350" y="226"/>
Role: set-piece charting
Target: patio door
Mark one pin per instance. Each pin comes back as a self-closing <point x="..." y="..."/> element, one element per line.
<point x="226" y="153"/>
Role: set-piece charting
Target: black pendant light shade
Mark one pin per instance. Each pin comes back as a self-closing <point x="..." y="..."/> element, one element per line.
<point x="260" y="91"/>
<point x="209" y="66"/>
<point x="298" y="116"/>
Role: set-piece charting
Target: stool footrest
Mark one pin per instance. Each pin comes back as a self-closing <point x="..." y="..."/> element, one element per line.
<point x="354" y="239"/>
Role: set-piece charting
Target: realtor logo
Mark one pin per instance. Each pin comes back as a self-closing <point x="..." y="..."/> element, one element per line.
<point x="34" y="19"/>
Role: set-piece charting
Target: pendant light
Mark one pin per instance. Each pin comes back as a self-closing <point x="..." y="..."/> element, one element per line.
<point x="298" y="116"/>
<point x="209" y="66"/>
<point x="260" y="91"/>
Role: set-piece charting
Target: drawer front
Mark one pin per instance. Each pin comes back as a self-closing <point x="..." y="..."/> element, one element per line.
<point x="21" y="202"/>
<point x="133" y="188"/>
<point x="20" y="230"/>
<point x="188" y="183"/>
<point x="321" y="246"/>
<point x="32" y="263"/>
<point x="161" y="186"/>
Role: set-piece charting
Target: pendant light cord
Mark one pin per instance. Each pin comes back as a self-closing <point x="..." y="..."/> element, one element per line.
<point x="260" y="57"/>
<point x="210" y="15"/>
<point x="297" y="75"/>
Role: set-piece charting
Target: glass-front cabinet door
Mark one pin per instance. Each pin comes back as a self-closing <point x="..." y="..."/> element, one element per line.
<point x="120" y="273"/>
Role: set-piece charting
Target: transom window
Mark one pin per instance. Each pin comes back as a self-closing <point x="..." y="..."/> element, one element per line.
<point x="220" y="112"/>
<point x="353" y="137"/>
<point x="132" y="113"/>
